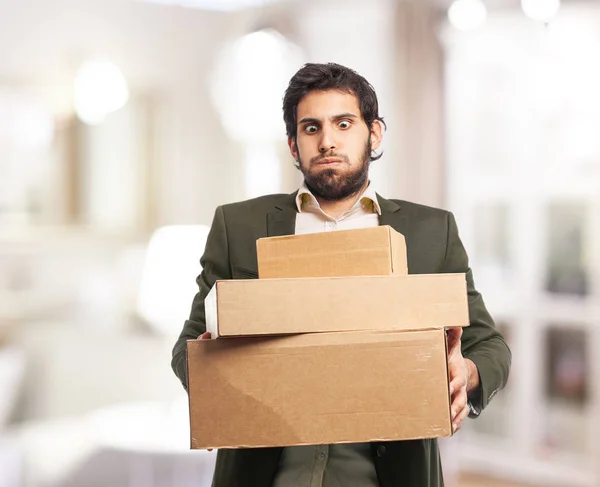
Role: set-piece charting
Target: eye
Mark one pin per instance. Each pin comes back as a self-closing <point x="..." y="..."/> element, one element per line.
<point x="344" y="124"/>
<point x="311" y="129"/>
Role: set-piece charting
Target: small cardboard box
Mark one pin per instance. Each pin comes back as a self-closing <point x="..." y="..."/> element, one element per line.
<point x="309" y="305"/>
<point x="318" y="389"/>
<point x="378" y="251"/>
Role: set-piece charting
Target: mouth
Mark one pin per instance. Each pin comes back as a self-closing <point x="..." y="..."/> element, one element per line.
<point x="328" y="161"/>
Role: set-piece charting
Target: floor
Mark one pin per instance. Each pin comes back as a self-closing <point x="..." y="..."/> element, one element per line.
<point x="478" y="481"/>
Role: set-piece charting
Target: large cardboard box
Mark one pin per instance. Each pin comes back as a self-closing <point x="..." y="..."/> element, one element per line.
<point x="310" y="305"/>
<point x="318" y="389"/>
<point x="378" y="251"/>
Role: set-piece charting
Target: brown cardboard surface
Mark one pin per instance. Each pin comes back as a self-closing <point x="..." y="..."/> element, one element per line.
<point x="318" y="389"/>
<point x="309" y="305"/>
<point x="377" y="251"/>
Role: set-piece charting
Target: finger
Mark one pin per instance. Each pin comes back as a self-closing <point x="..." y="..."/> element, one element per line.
<point x="459" y="401"/>
<point x="458" y="404"/>
<point x="454" y="332"/>
<point x="205" y="336"/>
<point x="457" y="381"/>
<point x="454" y="336"/>
<point x="454" y="354"/>
<point x="454" y="345"/>
<point x="458" y="421"/>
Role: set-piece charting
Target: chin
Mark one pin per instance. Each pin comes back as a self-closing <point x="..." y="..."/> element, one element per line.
<point x="328" y="171"/>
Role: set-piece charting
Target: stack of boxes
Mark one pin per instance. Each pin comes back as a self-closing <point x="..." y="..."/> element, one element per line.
<point x="334" y="343"/>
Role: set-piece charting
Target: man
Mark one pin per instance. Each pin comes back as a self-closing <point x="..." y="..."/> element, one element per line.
<point x="333" y="128"/>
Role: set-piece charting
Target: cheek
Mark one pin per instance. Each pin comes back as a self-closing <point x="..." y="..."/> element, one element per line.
<point x="304" y="148"/>
<point x="355" y="149"/>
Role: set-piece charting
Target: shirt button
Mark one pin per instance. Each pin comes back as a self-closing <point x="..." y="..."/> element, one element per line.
<point x="321" y="456"/>
<point x="381" y="451"/>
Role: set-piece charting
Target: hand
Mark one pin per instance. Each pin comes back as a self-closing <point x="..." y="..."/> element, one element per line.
<point x="463" y="378"/>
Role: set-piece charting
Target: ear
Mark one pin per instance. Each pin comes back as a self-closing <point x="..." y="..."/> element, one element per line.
<point x="293" y="147"/>
<point x="376" y="134"/>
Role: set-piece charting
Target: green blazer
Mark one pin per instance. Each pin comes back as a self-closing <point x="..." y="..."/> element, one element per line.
<point x="433" y="246"/>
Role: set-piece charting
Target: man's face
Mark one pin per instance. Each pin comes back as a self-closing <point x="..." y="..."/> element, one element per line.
<point x="333" y="144"/>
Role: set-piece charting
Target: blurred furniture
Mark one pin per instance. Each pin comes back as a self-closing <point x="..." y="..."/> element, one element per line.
<point x="10" y="465"/>
<point x="12" y="369"/>
<point x="168" y="282"/>
<point x="142" y="445"/>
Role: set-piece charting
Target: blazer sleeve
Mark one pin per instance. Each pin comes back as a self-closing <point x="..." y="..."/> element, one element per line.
<point x="481" y="341"/>
<point x="215" y="265"/>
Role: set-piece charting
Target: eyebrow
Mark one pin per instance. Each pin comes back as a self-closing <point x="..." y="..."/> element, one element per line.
<point x="335" y="117"/>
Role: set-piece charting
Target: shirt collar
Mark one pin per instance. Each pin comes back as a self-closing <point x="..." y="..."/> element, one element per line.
<point x="368" y="199"/>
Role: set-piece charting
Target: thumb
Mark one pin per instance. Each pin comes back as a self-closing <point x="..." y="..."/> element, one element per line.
<point x="454" y="336"/>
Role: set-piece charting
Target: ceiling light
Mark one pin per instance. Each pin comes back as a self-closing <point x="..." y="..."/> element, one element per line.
<point x="248" y="83"/>
<point x="540" y="10"/>
<point x="100" y="89"/>
<point x="467" y="14"/>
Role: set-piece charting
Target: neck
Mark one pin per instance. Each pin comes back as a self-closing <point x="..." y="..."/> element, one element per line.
<point x="334" y="208"/>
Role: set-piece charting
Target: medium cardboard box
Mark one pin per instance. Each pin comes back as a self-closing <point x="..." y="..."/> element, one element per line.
<point x="308" y="305"/>
<point x="318" y="389"/>
<point x="378" y="251"/>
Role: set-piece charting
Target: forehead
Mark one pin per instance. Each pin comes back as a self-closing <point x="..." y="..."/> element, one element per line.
<point x="322" y="105"/>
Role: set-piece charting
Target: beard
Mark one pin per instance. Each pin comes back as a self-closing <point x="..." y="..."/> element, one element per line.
<point x="333" y="184"/>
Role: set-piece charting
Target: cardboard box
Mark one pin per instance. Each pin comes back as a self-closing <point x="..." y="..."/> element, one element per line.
<point x="318" y="389"/>
<point x="378" y="251"/>
<point x="310" y="305"/>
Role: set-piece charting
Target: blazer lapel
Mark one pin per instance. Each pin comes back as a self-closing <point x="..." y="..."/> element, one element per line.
<point x="392" y="215"/>
<point x="282" y="220"/>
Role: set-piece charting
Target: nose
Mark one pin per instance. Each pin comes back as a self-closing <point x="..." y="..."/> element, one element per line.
<point x="327" y="142"/>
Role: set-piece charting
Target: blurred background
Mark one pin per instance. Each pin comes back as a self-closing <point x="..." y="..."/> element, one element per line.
<point x="124" y="123"/>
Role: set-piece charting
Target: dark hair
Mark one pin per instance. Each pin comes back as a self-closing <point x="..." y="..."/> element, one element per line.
<point x="330" y="76"/>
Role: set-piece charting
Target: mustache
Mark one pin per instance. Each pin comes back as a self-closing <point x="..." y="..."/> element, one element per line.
<point x="329" y="155"/>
